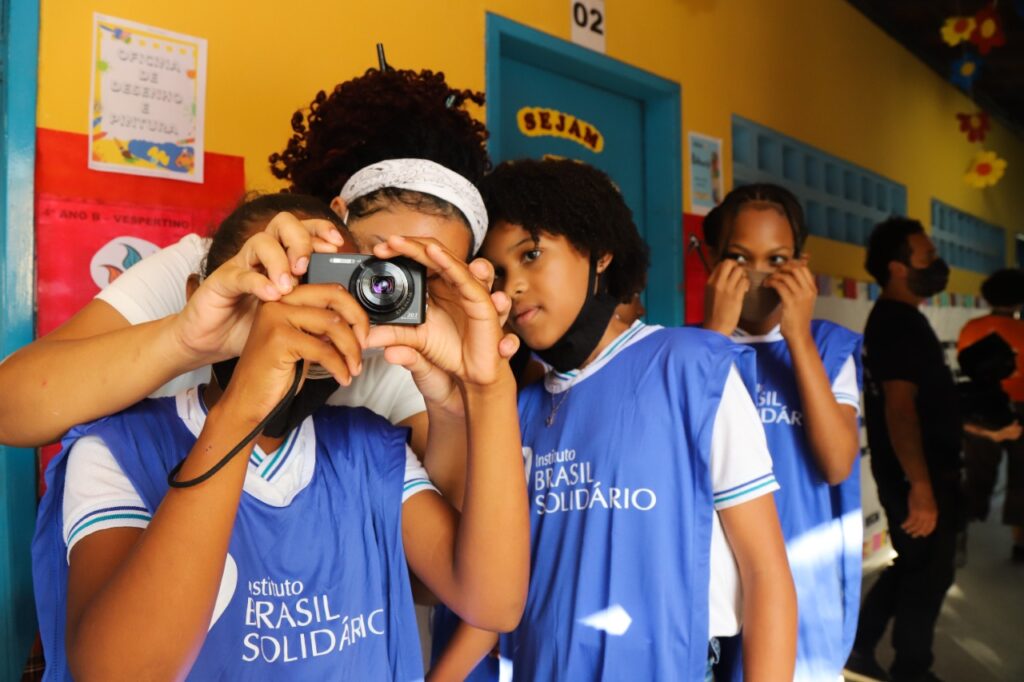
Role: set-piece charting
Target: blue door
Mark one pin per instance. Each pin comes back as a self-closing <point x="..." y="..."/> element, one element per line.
<point x="19" y="40"/>
<point x="549" y="97"/>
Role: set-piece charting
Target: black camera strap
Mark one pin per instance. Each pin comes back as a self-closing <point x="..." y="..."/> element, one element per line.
<point x="280" y="407"/>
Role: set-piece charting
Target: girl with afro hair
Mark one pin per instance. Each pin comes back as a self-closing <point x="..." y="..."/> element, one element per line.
<point x="140" y="327"/>
<point x="638" y="442"/>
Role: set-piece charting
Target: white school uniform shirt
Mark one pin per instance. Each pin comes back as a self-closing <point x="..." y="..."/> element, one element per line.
<point x="154" y="288"/>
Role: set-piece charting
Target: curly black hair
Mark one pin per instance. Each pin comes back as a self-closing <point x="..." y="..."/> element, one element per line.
<point x="576" y="201"/>
<point x="889" y="242"/>
<point x="1004" y="288"/>
<point x="719" y="222"/>
<point x="253" y="212"/>
<point x="381" y="115"/>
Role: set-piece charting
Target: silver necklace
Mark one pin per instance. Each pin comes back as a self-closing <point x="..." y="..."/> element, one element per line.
<point x="556" y="403"/>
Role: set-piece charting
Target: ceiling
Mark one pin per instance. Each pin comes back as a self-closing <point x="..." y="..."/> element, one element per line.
<point x="999" y="88"/>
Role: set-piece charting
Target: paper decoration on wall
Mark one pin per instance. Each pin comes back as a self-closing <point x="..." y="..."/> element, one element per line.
<point x="705" y="172"/>
<point x="957" y="29"/>
<point x="976" y="125"/>
<point x="147" y="102"/>
<point x="965" y="70"/>
<point x="986" y="170"/>
<point x="989" y="30"/>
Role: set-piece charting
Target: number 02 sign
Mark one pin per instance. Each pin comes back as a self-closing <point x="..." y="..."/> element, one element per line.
<point x="588" y="24"/>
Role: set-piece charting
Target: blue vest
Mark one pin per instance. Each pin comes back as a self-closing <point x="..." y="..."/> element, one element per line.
<point x="321" y="587"/>
<point x="821" y="523"/>
<point x="620" y="506"/>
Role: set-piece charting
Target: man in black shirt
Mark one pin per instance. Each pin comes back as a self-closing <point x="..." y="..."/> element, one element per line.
<point x="914" y="432"/>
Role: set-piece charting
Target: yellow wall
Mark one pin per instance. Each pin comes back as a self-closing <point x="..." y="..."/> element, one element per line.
<point x="813" y="69"/>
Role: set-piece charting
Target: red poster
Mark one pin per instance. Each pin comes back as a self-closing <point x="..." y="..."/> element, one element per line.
<point x="104" y="240"/>
<point x="91" y="226"/>
<point x="695" y="275"/>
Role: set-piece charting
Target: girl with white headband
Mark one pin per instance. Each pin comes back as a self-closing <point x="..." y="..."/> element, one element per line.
<point x="140" y="328"/>
<point x="291" y="560"/>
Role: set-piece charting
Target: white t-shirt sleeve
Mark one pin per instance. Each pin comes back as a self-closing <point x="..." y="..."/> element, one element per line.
<point x="741" y="466"/>
<point x="97" y="493"/>
<point x="416" y="479"/>
<point x="388" y="390"/>
<point x="741" y="470"/>
<point x="155" y="286"/>
<point x="845" y="388"/>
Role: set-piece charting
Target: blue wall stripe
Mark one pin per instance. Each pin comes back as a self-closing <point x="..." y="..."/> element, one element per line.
<point x="17" y="465"/>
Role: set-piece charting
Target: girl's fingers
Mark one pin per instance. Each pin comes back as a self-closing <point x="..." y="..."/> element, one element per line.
<point x="333" y="297"/>
<point x="263" y="252"/>
<point x="458" y="275"/>
<point x="325" y="230"/>
<point x="321" y="246"/>
<point x="406" y="357"/>
<point x="807" y="277"/>
<point x="784" y="284"/>
<point x="327" y="326"/>
<point x="388" y="335"/>
<point x="722" y="271"/>
<point x="508" y="346"/>
<point x="241" y="282"/>
<point x="315" y="350"/>
<point x="296" y="236"/>
<point x="414" y="248"/>
<point x="483" y="270"/>
<point x="503" y="305"/>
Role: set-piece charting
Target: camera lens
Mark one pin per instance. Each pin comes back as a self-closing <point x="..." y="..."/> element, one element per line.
<point x="383" y="287"/>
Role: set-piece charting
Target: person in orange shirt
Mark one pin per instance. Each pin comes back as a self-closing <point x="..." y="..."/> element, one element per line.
<point x="1004" y="291"/>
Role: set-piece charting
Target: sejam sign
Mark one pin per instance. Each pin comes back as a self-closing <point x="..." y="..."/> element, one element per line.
<point x="538" y="122"/>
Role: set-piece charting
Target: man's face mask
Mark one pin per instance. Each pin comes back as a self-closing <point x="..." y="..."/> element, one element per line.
<point x="928" y="281"/>
<point x="760" y="301"/>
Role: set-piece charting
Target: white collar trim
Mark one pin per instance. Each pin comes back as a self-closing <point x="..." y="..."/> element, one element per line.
<point x="273" y="478"/>
<point x="775" y="334"/>
<point x="557" y="382"/>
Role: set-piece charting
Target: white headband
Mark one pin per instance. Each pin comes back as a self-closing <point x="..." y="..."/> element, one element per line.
<point x="422" y="175"/>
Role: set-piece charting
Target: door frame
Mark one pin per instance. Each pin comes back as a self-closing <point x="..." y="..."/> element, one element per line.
<point x="662" y="135"/>
<point x="17" y="297"/>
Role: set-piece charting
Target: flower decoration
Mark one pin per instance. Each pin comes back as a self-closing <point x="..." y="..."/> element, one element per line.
<point x="986" y="170"/>
<point x="965" y="70"/>
<point x="975" y="125"/>
<point x="958" y="29"/>
<point x="989" y="31"/>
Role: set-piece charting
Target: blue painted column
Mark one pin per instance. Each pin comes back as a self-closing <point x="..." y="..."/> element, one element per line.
<point x="17" y="296"/>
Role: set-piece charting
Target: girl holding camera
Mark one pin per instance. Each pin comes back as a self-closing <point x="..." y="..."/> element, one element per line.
<point x="291" y="559"/>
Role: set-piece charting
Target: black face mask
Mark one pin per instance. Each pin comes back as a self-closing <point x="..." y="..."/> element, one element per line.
<point x="926" y="282"/>
<point x="310" y="398"/>
<point x="760" y="301"/>
<point x="582" y="337"/>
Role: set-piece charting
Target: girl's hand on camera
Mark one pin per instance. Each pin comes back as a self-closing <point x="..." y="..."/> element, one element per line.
<point x="318" y="323"/>
<point x="461" y="343"/>
<point x="723" y="296"/>
<point x="216" y="321"/>
<point x="798" y="291"/>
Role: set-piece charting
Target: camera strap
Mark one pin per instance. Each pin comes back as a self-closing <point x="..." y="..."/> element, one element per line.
<point x="279" y="408"/>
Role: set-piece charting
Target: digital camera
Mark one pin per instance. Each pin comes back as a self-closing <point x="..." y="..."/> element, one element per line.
<point x="391" y="291"/>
